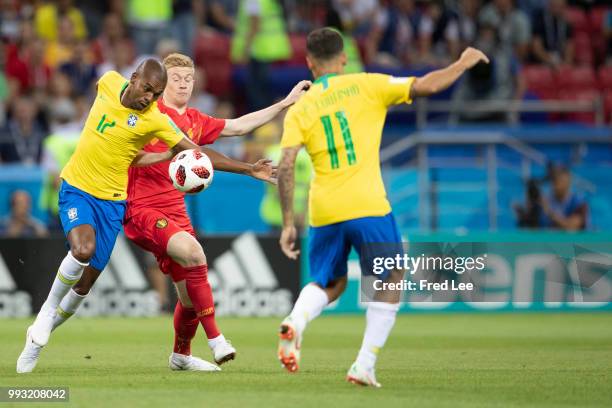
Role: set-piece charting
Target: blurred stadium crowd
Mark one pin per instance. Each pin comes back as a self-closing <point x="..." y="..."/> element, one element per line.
<point x="52" y="53"/>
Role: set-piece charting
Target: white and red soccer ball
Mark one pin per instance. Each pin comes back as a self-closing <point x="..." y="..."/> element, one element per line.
<point x="191" y="171"/>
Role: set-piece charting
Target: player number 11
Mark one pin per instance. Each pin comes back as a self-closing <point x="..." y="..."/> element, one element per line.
<point x="346" y="135"/>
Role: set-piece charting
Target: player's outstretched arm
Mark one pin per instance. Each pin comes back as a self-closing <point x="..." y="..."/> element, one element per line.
<point x="439" y="80"/>
<point x="143" y="158"/>
<point x="247" y="123"/>
<point x="286" y="186"/>
<point x="262" y="169"/>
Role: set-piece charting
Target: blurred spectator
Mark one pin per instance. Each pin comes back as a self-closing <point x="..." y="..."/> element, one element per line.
<point x="18" y="54"/>
<point x="552" y="33"/>
<point x="391" y="40"/>
<point x="10" y="15"/>
<point x="61" y="50"/>
<point x="82" y="74"/>
<point x="500" y="80"/>
<point x="438" y="35"/>
<point x="512" y="25"/>
<point x="113" y="35"/>
<point x="353" y="57"/>
<point x="230" y="146"/>
<point x="48" y="20"/>
<point x="57" y="149"/>
<point x="607" y="29"/>
<point x="560" y="209"/>
<point x="356" y="15"/>
<point x="267" y="142"/>
<point x="60" y="88"/>
<point x="304" y="16"/>
<point x="4" y="86"/>
<point x="165" y="47"/>
<point x="255" y="145"/>
<point x="260" y="39"/>
<point x="39" y="72"/>
<point x="467" y="15"/>
<point x="121" y="60"/>
<point x="563" y="209"/>
<point x="149" y="22"/>
<point x="95" y="11"/>
<point x="221" y="15"/>
<point x="186" y="16"/>
<point x="200" y="99"/>
<point x="22" y="136"/>
<point x="530" y="7"/>
<point x="20" y="223"/>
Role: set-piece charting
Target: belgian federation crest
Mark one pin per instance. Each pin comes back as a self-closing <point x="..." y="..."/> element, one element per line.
<point x="131" y="120"/>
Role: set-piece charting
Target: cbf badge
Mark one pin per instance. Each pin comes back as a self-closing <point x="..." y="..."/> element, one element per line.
<point x="132" y="119"/>
<point x="72" y="214"/>
<point x="161" y="223"/>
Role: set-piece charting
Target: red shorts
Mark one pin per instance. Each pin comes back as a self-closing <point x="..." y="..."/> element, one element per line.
<point x="151" y="230"/>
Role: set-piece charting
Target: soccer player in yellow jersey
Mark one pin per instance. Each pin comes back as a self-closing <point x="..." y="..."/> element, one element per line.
<point x="92" y="198"/>
<point x="339" y="121"/>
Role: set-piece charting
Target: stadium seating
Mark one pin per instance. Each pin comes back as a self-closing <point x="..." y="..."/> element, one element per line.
<point x="605" y="77"/>
<point x="588" y="94"/>
<point x="578" y="20"/>
<point x="576" y="78"/>
<point x="583" y="49"/>
<point x="541" y="80"/>
<point x="298" y="44"/>
<point x="596" y="17"/>
<point x="212" y="53"/>
<point x="608" y="105"/>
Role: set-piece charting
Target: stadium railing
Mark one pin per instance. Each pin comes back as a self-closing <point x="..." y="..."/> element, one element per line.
<point x="497" y="161"/>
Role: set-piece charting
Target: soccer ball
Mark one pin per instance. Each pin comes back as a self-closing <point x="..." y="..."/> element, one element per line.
<point x="191" y="171"/>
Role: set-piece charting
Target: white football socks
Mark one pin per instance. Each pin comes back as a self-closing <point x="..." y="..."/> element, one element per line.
<point x="308" y="306"/>
<point x="67" y="307"/>
<point x="380" y="318"/>
<point x="69" y="273"/>
<point x="213" y="343"/>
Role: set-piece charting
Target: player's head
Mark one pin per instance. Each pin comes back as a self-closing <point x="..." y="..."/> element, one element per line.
<point x="147" y="84"/>
<point x="325" y="51"/>
<point x="181" y="72"/>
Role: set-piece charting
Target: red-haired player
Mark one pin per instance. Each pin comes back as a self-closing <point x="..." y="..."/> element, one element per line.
<point x="157" y="219"/>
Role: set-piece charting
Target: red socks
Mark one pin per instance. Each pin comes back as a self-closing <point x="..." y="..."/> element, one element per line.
<point x="201" y="296"/>
<point x="185" y="327"/>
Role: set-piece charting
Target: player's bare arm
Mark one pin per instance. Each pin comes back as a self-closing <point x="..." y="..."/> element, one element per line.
<point x="144" y="159"/>
<point x="249" y="122"/>
<point x="261" y="170"/>
<point x="439" y="80"/>
<point x="286" y="185"/>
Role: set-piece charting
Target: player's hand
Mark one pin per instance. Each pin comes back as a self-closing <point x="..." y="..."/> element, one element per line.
<point x="264" y="170"/>
<point x="297" y="92"/>
<point x="472" y="56"/>
<point x="288" y="239"/>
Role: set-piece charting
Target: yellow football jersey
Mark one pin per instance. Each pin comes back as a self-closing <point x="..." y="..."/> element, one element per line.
<point x="111" y="138"/>
<point x="340" y="121"/>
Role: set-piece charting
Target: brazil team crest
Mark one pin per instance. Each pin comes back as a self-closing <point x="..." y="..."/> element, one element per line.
<point x="161" y="223"/>
<point x="132" y="119"/>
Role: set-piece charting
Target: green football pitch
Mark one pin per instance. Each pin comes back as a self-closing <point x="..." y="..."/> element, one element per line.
<point x="431" y="360"/>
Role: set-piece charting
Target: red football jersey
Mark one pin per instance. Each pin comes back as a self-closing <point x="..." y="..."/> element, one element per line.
<point x="151" y="186"/>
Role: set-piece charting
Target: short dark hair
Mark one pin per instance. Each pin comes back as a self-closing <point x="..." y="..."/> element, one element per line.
<point x="324" y="44"/>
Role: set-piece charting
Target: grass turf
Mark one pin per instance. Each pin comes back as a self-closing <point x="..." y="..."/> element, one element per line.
<point x="431" y="360"/>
